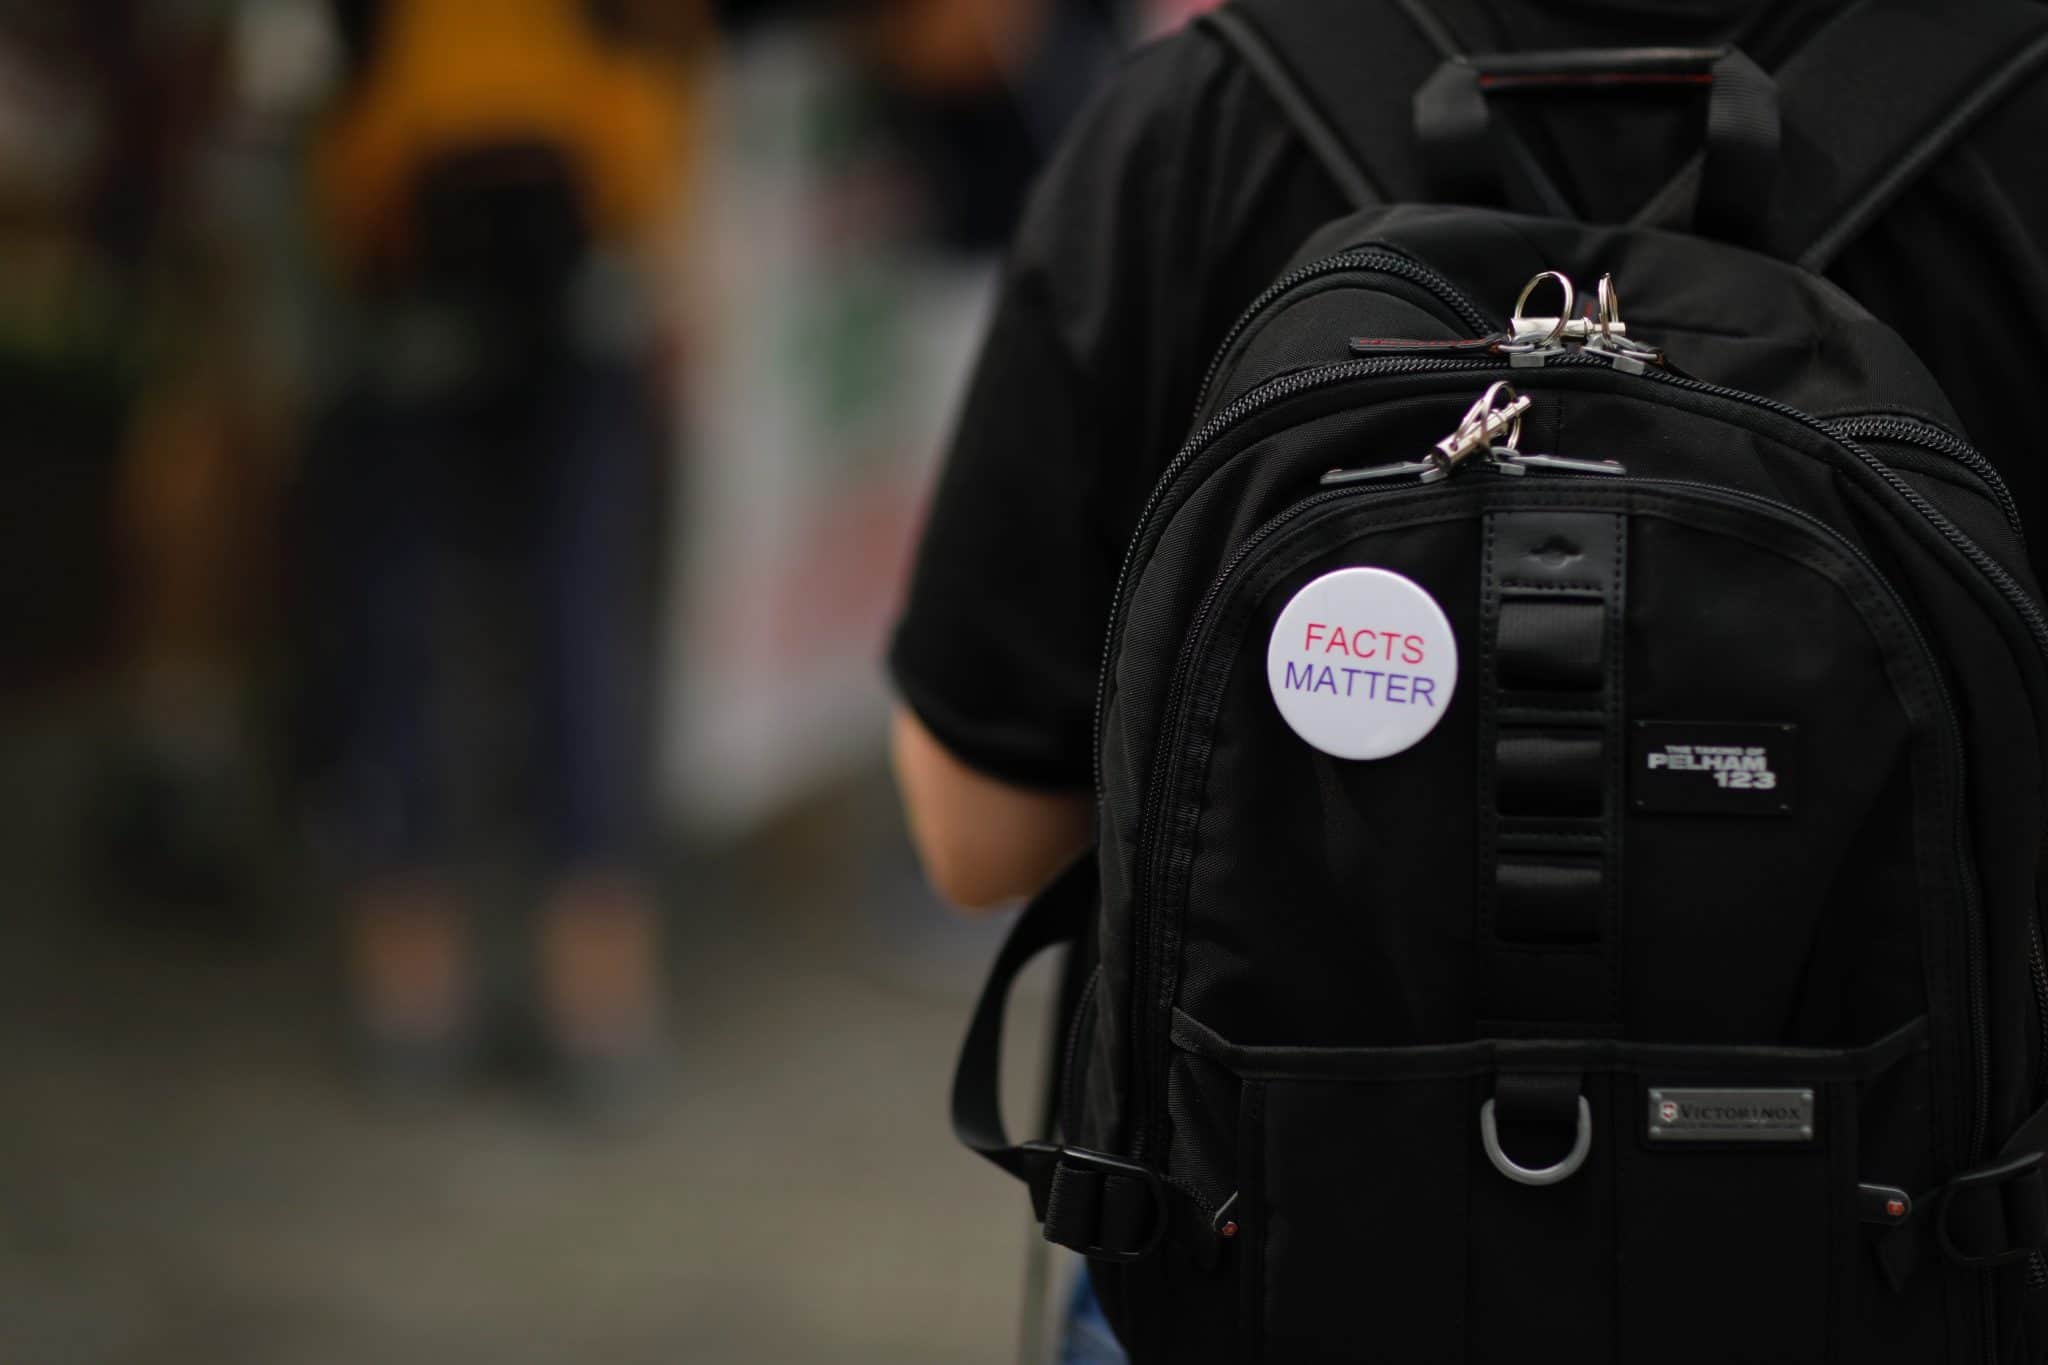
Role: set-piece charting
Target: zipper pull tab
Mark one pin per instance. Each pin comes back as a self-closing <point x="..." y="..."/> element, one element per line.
<point x="1417" y="346"/>
<point x="1375" y="472"/>
<point x="1533" y="340"/>
<point x="1558" y="464"/>
<point x="1495" y="419"/>
<point x="1496" y="414"/>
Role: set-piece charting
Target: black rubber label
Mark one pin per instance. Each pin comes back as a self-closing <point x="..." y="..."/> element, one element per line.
<point x="1712" y="768"/>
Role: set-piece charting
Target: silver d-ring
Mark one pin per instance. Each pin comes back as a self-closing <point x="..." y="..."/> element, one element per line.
<point x="1489" y="1133"/>
<point x="1564" y="314"/>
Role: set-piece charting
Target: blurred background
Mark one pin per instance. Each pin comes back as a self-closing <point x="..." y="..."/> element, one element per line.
<point x="459" y="461"/>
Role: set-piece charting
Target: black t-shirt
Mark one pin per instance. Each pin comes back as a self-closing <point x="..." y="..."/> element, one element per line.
<point x="1180" y="194"/>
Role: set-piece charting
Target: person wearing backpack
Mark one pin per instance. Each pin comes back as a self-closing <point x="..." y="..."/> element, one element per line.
<point x="1561" y="786"/>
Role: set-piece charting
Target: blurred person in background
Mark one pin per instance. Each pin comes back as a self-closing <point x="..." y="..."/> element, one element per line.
<point x="145" y="448"/>
<point x="490" y="185"/>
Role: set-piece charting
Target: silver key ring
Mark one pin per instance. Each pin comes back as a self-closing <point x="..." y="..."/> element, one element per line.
<point x="1482" y="420"/>
<point x="1489" y="1135"/>
<point x="1610" y="307"/>
<point x="1564" y="314"/>
<point x="1481" y="428"/>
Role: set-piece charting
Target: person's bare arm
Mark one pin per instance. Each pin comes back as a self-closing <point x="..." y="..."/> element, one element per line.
<point x="983" y="842"/>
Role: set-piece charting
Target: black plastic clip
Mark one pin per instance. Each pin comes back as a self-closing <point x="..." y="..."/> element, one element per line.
<point x="2007" y="1204"/>
<point x="1086" y="1202"/>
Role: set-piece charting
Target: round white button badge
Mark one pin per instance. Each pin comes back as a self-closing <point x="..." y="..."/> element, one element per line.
<point x="1362" y="663"/>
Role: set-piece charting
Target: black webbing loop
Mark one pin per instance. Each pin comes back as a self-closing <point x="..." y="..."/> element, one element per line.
<point x="1454" y="133"/>
<point x="1073" y="1203"/>
<point x="1989" y="1216"/>
<point x="1056" y="915"/>
<point x="1539" y="772"/>
<point x="1095" y="1203"/>
<point x="1536" y="1114"/>
<point x="1994" y="1215"/>
<point x="1470" y="160"/>
<point x="1739" y="172"/>
<point x="1558" y="899"/>
<point x="1548" y="1098"/>
<point x="1537" y="1127"/>
<point x="1867" y="105"/>
<point x="1551" y="643"/>
<point x="1297" y="106"/>
<point x="1552" y="595"/>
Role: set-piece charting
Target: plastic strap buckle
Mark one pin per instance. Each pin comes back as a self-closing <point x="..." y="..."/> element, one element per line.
<point x="2004" y="1208"/>
<point x="1097" y="1204"/>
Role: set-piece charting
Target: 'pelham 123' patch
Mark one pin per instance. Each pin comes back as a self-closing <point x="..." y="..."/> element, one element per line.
<point x="1713" y="767"/>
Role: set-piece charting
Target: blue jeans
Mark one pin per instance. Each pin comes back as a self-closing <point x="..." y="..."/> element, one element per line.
<point x="548" y="487"/>
<point x="1087" y="1339"/>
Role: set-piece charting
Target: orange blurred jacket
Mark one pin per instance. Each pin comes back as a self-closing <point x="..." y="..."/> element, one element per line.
<point x="450" y="75"/>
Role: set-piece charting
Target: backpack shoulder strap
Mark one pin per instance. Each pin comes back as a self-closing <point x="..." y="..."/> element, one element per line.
<point x="1344" y="74"/>
<point x="1296" y="105"/>
<point x="1877" y="96"/>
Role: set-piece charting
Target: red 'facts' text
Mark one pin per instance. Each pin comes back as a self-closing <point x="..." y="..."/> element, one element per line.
<point x="1388" y="645"/>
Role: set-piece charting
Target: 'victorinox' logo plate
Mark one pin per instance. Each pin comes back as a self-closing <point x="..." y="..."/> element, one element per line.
<point x="1693" y="1114"/>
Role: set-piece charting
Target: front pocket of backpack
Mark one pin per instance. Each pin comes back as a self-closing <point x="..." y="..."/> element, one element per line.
<point x="1710" y="1215"/>
<point x="1356" y="1218"/>
<point x="1735" y="1209"/>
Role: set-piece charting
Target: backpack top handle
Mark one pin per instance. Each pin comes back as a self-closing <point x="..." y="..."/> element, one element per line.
<point x="1870" y="101"/>
<point x="1469" y="159"/>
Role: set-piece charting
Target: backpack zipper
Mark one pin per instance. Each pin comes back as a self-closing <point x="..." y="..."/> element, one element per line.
<point x="1933" y="437"/>
<point x="1938" y="440"/>
<point x="1237" y="410"/>
<point x="1151" y="871"/>
<point x="2014" y="593"/>
<point x="1973" y="909"/>
<point x="1379" y="262"/>
<point x="1303" y="381"/>
<point x="2037" y="959"/>
<point x="1156" y="785"/>
<point x="1240" y="408"/>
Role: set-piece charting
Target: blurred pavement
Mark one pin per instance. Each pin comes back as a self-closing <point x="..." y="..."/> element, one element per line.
<point x="186" y="1174"/>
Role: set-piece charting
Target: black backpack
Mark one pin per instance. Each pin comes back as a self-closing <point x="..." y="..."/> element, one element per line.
<point x="1571" y="813"/>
